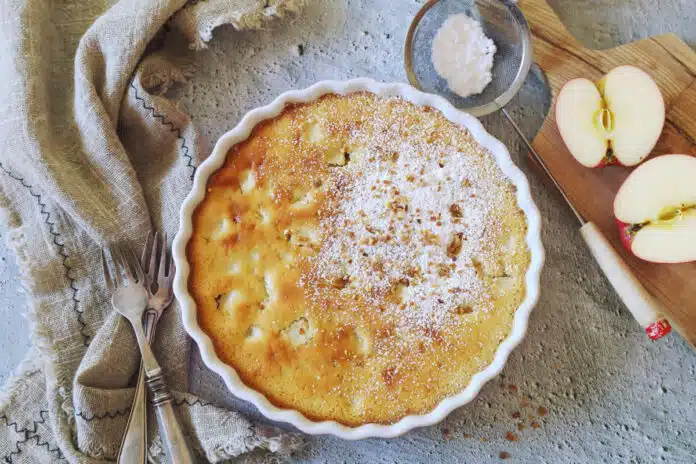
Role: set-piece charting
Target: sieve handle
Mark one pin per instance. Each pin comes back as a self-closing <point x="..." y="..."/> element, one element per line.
<point x="541" y="163"/>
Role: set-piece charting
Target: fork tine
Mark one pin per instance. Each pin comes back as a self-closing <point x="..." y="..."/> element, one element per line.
<point x="123" y="260"/>
<point x="107" y="273"/>
<point x="145" y="256"/>
<point x="134" y="264"/>
<point x="119" y="266"/>
<point x="161" y="275"/>
<point x="151" y="266"/>
<point x="170" y="275"/>
<point x="172" y="268"/>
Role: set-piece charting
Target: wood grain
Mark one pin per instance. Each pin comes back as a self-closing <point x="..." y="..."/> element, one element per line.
<point x="672" y="64"/>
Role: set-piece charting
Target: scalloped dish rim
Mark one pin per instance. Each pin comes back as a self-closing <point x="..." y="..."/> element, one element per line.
<point x="242" y="132"/>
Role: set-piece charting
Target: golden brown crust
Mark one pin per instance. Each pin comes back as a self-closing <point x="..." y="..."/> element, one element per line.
<point x="358" y="259"/>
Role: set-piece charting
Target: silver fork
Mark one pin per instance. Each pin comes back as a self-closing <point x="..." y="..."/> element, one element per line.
<point x="134" y="443"/>
<point x="129" y="298"/>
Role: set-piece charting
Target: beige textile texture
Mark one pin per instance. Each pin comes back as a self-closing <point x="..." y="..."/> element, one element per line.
<point x="91" y="152"/>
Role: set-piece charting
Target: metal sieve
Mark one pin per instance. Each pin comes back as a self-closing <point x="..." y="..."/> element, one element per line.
<point x="502" y="21"/>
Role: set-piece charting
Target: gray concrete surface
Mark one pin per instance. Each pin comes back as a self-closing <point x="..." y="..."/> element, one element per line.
<point x="14" y="336"/>
<point x="586" y="386"/>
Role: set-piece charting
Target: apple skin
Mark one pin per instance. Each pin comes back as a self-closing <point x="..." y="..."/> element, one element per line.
<point x="606" y="161"/>
<point x="625" y="234"/>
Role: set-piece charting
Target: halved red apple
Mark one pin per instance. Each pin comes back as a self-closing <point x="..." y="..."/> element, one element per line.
<point x="655" y="210"/>
<point x="614" y="121"/>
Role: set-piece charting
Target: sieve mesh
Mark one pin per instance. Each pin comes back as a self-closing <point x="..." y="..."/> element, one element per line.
<point x="502" y="22"/>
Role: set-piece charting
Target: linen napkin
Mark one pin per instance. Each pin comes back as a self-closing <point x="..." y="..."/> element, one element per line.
<point x="91" y="152"/>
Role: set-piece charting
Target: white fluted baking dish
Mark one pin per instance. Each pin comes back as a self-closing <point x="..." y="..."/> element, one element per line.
<point x="240" y="133"/>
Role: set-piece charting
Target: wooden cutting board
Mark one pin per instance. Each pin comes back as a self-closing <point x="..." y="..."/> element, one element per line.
<point x="672" y="64"/>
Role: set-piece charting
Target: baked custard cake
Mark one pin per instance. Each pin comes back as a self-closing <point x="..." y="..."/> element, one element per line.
<point x="358" y="259"/>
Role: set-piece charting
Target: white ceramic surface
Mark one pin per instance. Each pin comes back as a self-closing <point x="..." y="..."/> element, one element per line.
<point x="240" y="133"/>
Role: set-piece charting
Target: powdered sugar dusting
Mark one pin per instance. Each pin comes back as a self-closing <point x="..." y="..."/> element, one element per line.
<point x="404" y="224"/>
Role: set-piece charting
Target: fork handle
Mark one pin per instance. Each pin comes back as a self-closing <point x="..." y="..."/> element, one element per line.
<point x="172" y="435"/>
<point x="134" y="443"/>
